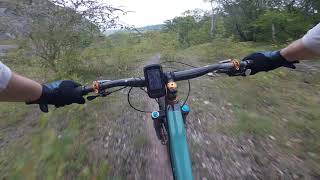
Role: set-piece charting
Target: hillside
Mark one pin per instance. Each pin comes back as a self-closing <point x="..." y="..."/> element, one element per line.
<point x="157" y="27"/>
<point x="18" y="16"/>
<point x="15" y="19"/>
<point x="143" y="29"/>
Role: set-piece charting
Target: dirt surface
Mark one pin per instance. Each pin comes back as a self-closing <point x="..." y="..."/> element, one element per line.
<point x="5" y="48"/>
<point x="158" y="161"/>
<point x="22" y="128"/>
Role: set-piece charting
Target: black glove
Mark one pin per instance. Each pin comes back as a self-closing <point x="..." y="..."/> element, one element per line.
<point x="59" y="93"/>
<point x="267" y="61"/>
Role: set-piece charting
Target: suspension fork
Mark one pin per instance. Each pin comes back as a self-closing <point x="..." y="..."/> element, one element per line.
<point x="179" y="150"/>
<point x="176" y="120"/>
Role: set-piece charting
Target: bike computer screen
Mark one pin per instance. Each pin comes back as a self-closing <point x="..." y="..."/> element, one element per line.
<point x="154" y="81"/>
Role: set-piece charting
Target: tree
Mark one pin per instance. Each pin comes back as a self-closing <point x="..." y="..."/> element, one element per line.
<point x="192" y="28"/>
<point x="215" y="10"/>
<point x="280" y="26"/>
<point x="182" y="26"/>
<point x="61" y="28"/>
<point x="247" y="20"/>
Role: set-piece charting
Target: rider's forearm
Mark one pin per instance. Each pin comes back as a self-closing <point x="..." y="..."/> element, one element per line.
<point x="21" y="89"/>
<point x="297" y="51"/>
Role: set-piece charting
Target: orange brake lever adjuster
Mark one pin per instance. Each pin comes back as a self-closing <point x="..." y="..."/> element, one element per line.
<point x="236" y="64"/>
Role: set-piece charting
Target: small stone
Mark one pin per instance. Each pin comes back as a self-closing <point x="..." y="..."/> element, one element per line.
<point x="59" y="136"/>
<point x="296" y="140"/>
<point x="289" y="144"/>
<point x="237" y="164"/>
<point x="272" y="137"/>
<point x="229" y="104"/>
<point x="284" y="120"/>
<point x="280" y="172"/>
<point x="295" y="176"/>
<point x="250" y="142"/>
<point x="211" y="74"/>
<point x="203" y="165"/>
<point x="206" y="102"/>
<point x="311" y="154"/>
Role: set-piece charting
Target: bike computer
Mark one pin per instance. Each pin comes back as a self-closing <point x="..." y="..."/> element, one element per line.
<point x="154" y="81"/>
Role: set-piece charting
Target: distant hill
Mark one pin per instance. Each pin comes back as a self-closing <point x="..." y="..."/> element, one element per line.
<point x="17" y="16"/>
<point x="157" y="27"/>
<point x="15" y="20"/>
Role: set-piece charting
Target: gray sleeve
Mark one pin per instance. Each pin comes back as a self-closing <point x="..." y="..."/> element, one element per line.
<point x="5" y="76"/>
<point x="312" y="39"/>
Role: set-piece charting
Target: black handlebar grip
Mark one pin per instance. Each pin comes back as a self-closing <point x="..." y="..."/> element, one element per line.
<point x="83" y="90"/>
<point x="79" y="90"/>
<point x="248" y="62"/>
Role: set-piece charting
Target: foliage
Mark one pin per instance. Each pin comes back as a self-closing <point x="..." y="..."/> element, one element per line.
<point x="62" y="29"/>
<point x="289" y="26"/>
<point x="191" y="29"/>
<point x="253" y="20"/>
<point x="246" y="20"/>
<point x="100" y="14"/>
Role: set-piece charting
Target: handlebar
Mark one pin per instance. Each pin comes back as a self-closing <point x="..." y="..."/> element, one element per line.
<point x="231" y="67"/>
<point x="222" y="67"/>
<point x="98" y="86"/>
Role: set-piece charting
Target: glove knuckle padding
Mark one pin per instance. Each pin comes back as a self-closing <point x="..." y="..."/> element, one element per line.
<point x="267" y="60"/>
<point x="61" y="93"/>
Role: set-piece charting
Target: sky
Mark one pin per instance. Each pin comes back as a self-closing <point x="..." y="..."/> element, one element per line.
<point x="151" y="12"/>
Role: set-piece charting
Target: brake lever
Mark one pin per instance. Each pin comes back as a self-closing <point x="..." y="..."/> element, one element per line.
<point x="44" y="108"/>
<point x="104" y="94"/>
<point x="240" y="68"/>
<point x="291" y="64"/>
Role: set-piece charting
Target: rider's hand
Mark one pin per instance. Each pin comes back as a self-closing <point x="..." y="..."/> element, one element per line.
<point x="267" y="61"/>
<point x="60" y="93"/>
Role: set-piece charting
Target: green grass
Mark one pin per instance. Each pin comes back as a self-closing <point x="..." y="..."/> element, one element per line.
<point x="8" y="42"/>
<point x="252" y="123"/>
<point x="59" y="146"/>
<point x="282" y="103"/>
<point x="12" y="113"/>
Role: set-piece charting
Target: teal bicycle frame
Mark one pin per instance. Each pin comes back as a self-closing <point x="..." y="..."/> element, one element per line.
<point x="178" y="147"/>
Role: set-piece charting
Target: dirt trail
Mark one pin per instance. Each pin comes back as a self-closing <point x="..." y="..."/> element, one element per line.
<point x="5" y="48"/>
<point x="159" y="167"/>
<point x="22" y="128"/>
